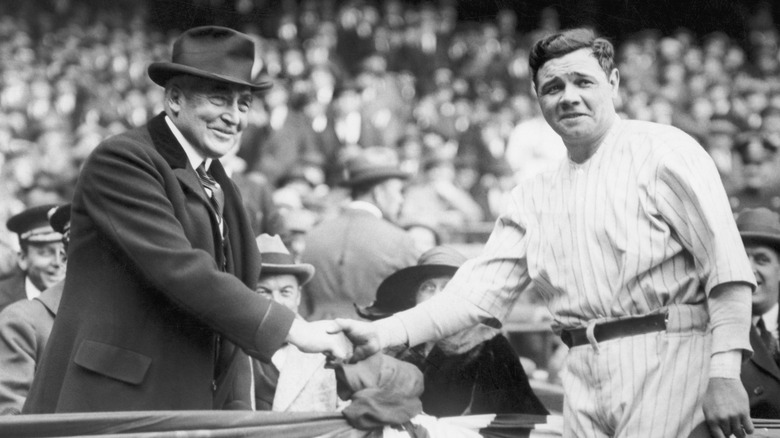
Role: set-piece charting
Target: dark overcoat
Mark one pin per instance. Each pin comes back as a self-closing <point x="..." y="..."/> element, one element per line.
<point x="153" y="307"/>
<point x="761" y="378"/>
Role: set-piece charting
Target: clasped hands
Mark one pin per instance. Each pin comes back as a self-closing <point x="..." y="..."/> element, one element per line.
<point x="341" y="340"/>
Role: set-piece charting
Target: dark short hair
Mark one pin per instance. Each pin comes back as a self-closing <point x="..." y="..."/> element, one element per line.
<point x="567" y="41"/>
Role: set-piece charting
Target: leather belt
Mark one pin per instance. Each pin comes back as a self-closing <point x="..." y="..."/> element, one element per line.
<point x="615" y="329"/>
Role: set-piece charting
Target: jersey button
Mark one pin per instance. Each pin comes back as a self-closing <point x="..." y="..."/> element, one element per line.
<point x="759" y="390"/>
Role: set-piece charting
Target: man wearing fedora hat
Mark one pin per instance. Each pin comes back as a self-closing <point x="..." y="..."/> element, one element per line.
<point x="41" y="258"/>
<point x="159" y="309"/>
<point x="381" y="390"/>
<point x="25" y="327"/>
<point x="293" y="381"/>
<point x="760" y="231"/>
<point x="355" y="250"/>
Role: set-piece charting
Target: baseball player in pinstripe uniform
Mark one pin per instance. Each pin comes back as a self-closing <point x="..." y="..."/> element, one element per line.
<point x="633" y="245"/>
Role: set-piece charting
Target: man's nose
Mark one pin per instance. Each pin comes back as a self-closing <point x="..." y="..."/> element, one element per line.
<point x="570" y="95"/>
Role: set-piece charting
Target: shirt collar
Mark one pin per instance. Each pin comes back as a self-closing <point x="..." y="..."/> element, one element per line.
<point x="195" y="158"/>
<point x="770" y="319"/>
<point x="30" y="289"/>
<point x="366" y="206"/>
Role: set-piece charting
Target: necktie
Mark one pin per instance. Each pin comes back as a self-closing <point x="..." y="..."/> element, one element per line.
<point x="215" y="192"/>
<point x="769" y="340"/>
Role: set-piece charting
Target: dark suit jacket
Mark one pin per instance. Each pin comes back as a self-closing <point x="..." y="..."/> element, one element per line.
<point x="761" y="378"/>
<point x="149" y="289"/>
<point x="24" y="331"/>
<point x="12" y="288"/>
<point x="352" y="253"/>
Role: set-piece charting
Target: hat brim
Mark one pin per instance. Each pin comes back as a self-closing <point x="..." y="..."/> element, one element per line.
<point x="375" y="177"/>
<point x="161" y="72"/>
<point x="304" y="272"/>
<point x="398" y="291"/>
<point x="772" y="240"/>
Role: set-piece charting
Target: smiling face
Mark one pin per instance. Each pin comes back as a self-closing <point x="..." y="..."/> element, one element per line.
<point x="766" y="268"/>
<point x="210" y="114"/>
<point x="43" y="263"/>
<point x="575" y="96"/>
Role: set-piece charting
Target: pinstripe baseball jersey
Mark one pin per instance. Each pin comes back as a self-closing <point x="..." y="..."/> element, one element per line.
<point x="643" y="224"/>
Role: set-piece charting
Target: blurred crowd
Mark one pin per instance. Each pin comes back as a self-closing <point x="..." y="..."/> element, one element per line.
<point x="450" y="101"/>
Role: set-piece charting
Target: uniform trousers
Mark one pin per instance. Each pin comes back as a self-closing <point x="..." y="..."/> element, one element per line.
<point x="647" y="385"/>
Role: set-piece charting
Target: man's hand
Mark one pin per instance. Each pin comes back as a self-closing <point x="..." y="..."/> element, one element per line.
<point x="364" y="336"/>
<point x="726" y="408"/>
<point x="320" y="337"/>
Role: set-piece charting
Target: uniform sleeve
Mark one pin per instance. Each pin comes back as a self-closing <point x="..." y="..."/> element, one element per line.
<point x="125" y="193"/>
<point x="18" y="351"/>
<point x="483" y="290"/>
<point x="691" y="198"/>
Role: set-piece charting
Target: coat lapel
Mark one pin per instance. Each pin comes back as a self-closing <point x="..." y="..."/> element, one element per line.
<point x="761" y="356"/>
<point x="51" y="297"/>
<point x="298" y="370"/>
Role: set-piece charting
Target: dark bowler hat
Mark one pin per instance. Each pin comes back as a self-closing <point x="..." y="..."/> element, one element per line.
<point x="32" y="225"/>
<point x="59" y="218"/>
<point x="211" y="52"/>
<point x="759" y="225"/>
<point x="398" y="292"/>
<point x="276" y="259"/>
<point x="364" y="169"/>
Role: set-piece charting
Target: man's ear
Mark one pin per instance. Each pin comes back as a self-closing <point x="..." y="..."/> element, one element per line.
<point x="174" y="97"/>
<point x="22" y="261"/>
<point x="614" y="81"/>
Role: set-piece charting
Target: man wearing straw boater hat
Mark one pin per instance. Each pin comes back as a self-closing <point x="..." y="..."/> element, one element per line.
<point x="760" y="231"/>
<point x="354" y="251"/>
<point x="159" y="306"/>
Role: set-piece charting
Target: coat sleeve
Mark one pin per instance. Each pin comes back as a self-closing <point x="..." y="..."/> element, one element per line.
<point x="137" y="205"/>
<point x="18" y="354"/>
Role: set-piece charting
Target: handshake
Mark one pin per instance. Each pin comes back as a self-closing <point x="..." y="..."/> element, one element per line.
<point x="342" y="340"/>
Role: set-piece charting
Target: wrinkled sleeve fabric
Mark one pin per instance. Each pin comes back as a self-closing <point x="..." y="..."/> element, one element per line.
<point x="691" y="198"/>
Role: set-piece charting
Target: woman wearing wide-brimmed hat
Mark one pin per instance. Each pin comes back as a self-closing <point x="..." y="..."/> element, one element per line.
<point x="475" y="371"/>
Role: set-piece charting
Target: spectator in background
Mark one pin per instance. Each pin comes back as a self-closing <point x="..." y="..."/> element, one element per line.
<point x="760" y="231"/>
<point x="757" y="155"/>
<point x="436" y="198"/>
<point x="292" y="381"/>
<point x="41" y="258"/>
<point x="290" y="140"/>
<point x="472" y="372"/>
<point x="355" y="250"/>
<point x="372" y="393"/>
<point x="24" y="330"/>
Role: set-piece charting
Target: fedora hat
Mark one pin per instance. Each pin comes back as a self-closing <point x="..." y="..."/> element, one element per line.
<point x="276" y="259"/>
<point x="759" y="225"/>
<point x="211" y="52"/>
<point x="398" y="292"/>
<point x="362" y="170"/>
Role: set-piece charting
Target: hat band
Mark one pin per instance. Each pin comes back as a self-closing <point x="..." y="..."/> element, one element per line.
<point x="41" y="234"/>
<point x="277" y="258"/>
<point x="759" y="228"/>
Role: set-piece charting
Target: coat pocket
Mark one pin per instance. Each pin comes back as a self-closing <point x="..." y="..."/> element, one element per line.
<point x="114" y="362"/>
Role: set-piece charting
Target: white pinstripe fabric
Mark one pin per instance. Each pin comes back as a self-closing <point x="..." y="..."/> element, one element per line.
<point x="629" y="232"/>
<point x="643" y="226"/>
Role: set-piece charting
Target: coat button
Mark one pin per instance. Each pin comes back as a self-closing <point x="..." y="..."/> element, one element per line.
<point x="759" y="390"/>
